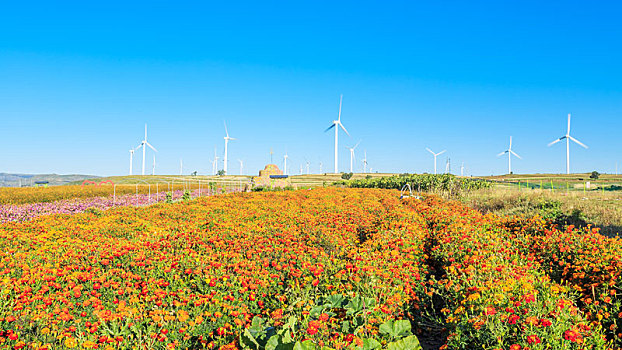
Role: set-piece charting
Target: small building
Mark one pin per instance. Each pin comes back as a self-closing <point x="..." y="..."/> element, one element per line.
<point x="41" y="183"/>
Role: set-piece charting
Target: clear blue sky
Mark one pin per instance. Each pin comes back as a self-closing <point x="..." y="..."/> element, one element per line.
<point x="78" y="81"/>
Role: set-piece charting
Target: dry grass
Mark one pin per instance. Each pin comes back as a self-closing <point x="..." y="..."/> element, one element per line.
<point x="604" y="210"/>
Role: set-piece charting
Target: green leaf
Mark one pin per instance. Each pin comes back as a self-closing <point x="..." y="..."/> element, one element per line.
<point x="345" y="327"/>
<point x="371" y="344"/>
<point x="335" y="300"/>
<point x="408" y="343"/>
<point x="355" y="305"/>
<point x="247" y="340"/>
<point x="396" y="329"/>
<point x="305" y="345"/>
<point x="277" y="342"/>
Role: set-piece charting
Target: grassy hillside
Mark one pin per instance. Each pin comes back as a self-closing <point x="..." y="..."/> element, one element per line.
<point x="15" y="180"/>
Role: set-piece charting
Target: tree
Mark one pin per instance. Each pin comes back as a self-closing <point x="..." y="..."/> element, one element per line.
<point x="594" y="175"/>
<point x="346" y="176"/>
<point x="220" y="172"/>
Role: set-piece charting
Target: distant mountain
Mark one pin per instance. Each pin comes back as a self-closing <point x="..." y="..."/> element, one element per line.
<point x="15" y="180"/>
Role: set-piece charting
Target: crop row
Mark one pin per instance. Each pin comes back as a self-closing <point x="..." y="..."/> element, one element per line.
<point x="446" y="183"/>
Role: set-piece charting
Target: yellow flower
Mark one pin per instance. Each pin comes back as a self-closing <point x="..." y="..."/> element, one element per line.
<point x="45" y="330"/>
<point x="88" y="344"/>
<point x="71" y="342"/>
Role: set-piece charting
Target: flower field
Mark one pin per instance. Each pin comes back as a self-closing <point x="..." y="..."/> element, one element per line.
<point x="321" y="269"/>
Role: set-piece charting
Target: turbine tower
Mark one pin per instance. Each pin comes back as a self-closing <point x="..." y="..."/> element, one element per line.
<point x="510" y="153"/>
<point x="227" y="139"/>
<point x="321" y="167"/>
<point x="132" y="158"/>
<point x="215" y="162"/>
<point x="568" y="138"/>
<point x="365" y="163"/>
<point x="144" y="145"/>
<point x="337" y="124"/>
<point x="285" y="163"/>
<point x="435" y="155"/>
<point x="241" y="166"/>
<point x="352" y="155"/>
<point x="154" y="164"/>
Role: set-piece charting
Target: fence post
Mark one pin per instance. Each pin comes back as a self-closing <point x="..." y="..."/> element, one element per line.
<point x="149" y="198"/>
<point x="114" y="194"/>
<point x="157" y="192"/>
<point x="583" y="188"/>
<point x="199" y="188"/>
<point x="551" y="185"/>
<point x="567" y="187"/>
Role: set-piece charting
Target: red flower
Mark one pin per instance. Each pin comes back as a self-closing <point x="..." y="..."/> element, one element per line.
<point x="515" y="347"/>
<point x="513" y="319"/>
<point x="571" y="335"/>
<point x="545" y="322"/>
<point x="533" y="339"/>
<point x="490" y="311"/>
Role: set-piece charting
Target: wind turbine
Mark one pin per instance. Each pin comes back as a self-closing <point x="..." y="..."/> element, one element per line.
<point x="154" y="164"/>
<point x="435" y="155"/>
<point x="143" y="144"/>
<point x="241" y="166"/>
<point x="448" y="166"/>
<point x="462" y="169"/>
<point x="337" y="124"/>
<point x="321" y="168"/>
<point x="365" y="163"/>
<point x="568" y="138"/>
<point x="215" y="162"/>
<point x="285" y="163"/>
<point x="132" y="158"/>
<point x="510" y="153"/>
<point x="307" y="167"/>
<point x="300" y="168"/>
<point x="227" y="139"/>
<point x="352" y="155"/>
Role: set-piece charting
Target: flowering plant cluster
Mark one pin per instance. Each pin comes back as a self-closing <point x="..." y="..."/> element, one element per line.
<point x="329" y="268"/>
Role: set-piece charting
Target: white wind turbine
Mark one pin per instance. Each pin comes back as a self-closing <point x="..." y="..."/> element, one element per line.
<point x="352" y="155"/>
<point x="510" y="153"/>
<point x="321" y="167"/>
<point x="215" y="162"/>
<point x="307" y="167"/>
<point x="435" y="155"/>
<point x="365" y="163"/>
<point x="227" y="139"/>
<point x="144" y="145"/>
<point x="337" y="124"/>
<point x="132" y="158"/>
<point x="241" y="166"/>
<point x="154" y="164"/>
<point x="568" y="138"/>
<point x="285" y="163"/>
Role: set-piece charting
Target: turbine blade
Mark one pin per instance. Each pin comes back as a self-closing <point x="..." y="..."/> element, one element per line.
<point x="577" y="141"/>
<point x="519" y="157"/>
<point x="568" y="124"/>
<point x="429" y="150"/>
<point x="441" y="152"/>
<point x="340" y="100"/>
<point x="344" y="129"/>
<point x="502" y="153"/>
<point x="153" y="148"/>
<point x="510" y="142"/>
<point x="226" y="131"/>
<point x="556" y="141"/>
<point x="330" y="127"/>
<point x="357" y="144"/>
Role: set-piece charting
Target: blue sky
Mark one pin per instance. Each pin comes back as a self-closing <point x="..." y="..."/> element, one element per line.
<point x="78" y="81"/>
